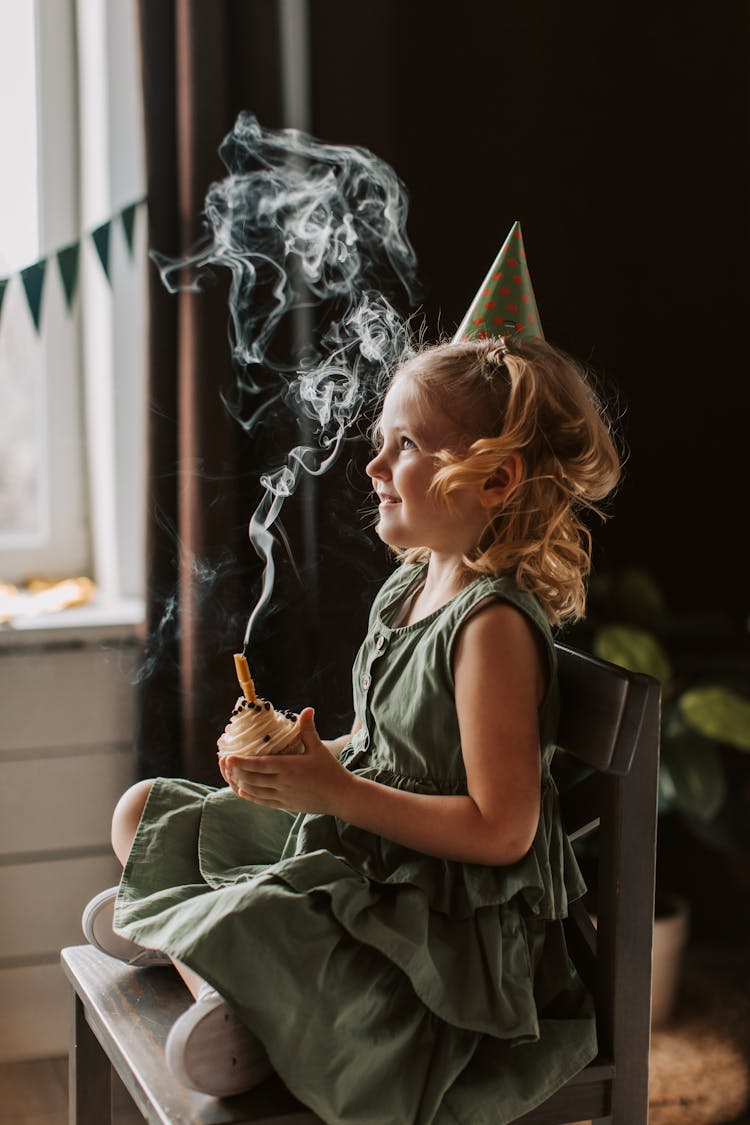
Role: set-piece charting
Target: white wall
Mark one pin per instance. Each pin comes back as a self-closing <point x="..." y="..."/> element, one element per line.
<point x="67" y="707"/>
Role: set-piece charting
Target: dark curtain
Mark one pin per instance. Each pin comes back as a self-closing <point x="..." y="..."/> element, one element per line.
<point x="201" y="63"/>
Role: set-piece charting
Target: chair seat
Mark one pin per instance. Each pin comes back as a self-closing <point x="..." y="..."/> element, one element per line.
<point x="587" y="1095"/>
<point x="130" y="1012"/>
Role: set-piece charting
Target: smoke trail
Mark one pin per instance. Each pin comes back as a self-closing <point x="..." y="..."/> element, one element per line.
<point x="302" y="224"/>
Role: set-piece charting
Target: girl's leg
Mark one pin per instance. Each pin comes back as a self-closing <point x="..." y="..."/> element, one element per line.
<point x="125" y="821"/>
<point x="193" y="982"/>
<point x="126" y="818"/>
<point x="208" y="1048"/>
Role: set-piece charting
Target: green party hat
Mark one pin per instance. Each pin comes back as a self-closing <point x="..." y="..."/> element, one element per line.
<point x="505" y="301"/>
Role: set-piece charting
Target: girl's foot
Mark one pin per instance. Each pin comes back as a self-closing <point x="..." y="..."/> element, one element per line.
<point x="209" y="1049"/>
<point x="97" y="928"/>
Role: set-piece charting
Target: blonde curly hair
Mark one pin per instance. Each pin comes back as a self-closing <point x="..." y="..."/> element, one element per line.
<point x="511" y="395"/>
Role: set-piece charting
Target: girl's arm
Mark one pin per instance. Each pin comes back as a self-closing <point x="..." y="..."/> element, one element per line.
<point x="499" y="682"/>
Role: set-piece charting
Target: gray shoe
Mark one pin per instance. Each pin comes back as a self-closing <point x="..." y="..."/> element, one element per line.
<point x="97" y="923"/>
<point x="209" y="1049"/>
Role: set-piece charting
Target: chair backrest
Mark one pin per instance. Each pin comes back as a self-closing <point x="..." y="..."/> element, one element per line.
<point x="603" y="708"/>
<point x="610" y="722"/>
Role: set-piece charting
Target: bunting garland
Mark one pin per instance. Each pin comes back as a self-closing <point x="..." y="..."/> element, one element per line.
<point x="33" y="282"/>
<point x="128" y="225"/>
<point x="67" y="262"/>
<point x="100" y="238"/>
<point x="68" y="258"/>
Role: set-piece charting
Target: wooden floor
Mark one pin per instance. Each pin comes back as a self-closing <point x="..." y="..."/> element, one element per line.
<point x="36" y="1093"/>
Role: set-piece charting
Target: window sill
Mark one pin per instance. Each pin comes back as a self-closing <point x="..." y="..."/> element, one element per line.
<point x="102" y="620"/>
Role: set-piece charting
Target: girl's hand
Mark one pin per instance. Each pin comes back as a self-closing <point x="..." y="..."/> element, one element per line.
<point x="313" y="782"/>
<point x="225" y="772"/>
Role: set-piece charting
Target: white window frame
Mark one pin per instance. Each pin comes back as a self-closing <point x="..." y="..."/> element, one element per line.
<point x="59" y="541"/>
<point x="90" y="153"/>
<point x="114" y="335"/>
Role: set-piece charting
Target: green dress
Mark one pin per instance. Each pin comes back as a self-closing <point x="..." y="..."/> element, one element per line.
<point x="387" y="986"/>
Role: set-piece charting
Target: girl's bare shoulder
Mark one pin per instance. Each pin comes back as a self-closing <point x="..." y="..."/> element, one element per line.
<point x="500" y="643"/>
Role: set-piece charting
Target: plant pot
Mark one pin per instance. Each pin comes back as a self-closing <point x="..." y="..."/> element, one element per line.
<point x="671" y="930"/>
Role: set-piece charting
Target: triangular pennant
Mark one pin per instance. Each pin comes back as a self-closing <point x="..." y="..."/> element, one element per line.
<point x="3" y="286"/>
<point x="33" y="282"/>
<point x="67" y="261"/>
<point x="505" y="301"/>
<point x="127" y="215"/>
<point x="101" y="241"/>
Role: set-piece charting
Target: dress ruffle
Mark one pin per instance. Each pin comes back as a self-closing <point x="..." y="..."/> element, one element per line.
<point x="545" y="881"/>
<point x="435" y="922"/>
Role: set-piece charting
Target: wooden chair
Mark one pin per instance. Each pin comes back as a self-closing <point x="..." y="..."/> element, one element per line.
<point x="610" y="724"/>
<point x="610" y="721"/>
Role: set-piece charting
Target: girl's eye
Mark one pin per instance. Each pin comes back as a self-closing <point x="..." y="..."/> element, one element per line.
<point x="407" y="443"/>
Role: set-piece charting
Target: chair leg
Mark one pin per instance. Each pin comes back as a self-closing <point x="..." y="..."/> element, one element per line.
<point x="89" y="1074"/>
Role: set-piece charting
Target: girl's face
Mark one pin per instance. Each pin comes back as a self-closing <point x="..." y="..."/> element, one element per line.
<point x="411" y="432"/>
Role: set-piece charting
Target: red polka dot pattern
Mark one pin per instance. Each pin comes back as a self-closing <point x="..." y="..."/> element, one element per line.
<point x="505" y="300"/>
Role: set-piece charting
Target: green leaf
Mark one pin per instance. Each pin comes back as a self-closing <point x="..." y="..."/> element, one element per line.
<point x="667" y="789"/>
<point x="696" y="776"/>
<point x="718" y="713"/>
<point x="634" y="649"/>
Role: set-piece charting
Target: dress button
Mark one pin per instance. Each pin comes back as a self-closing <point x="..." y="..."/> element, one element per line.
<point x="380" y="642"/>
<point x="366" y="680"/>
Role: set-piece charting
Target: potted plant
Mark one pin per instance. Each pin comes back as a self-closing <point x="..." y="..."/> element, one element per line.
<point x="705" y="677"/>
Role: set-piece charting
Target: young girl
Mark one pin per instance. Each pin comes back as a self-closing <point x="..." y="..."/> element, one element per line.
<point x="384" y="912"/>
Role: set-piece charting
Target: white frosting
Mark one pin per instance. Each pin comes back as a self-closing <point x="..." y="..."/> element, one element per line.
<point x="259" y="729"/>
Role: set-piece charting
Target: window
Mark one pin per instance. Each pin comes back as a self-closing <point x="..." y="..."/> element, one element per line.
<point x="72" y="318"/>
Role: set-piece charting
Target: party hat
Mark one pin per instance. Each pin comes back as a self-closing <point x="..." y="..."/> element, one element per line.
<point x="505" y="301"/>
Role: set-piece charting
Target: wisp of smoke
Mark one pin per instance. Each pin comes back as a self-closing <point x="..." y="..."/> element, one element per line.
<point x="302" y="224"/>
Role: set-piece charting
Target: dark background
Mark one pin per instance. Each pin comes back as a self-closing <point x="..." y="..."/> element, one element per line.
<point x="620" y="141"/>
<point x="618" y="135"/>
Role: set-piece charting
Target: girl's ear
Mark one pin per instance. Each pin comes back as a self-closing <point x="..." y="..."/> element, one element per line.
<point x="497" y="488"/>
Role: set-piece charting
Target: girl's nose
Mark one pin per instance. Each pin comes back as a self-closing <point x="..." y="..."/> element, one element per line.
<point x="376" y="467"/>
